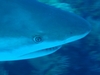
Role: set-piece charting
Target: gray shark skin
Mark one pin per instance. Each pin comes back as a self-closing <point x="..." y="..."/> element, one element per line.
<point x="30" y="29"/>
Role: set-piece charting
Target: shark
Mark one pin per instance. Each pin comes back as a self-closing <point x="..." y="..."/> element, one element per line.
<point x="31" y="29"/>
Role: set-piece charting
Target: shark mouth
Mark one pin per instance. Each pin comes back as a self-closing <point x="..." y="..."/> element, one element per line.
<point x="40" y="53"/>
<point x="52" y="48"/>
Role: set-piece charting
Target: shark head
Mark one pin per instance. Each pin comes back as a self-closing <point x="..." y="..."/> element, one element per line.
<point x="32" y="29"/>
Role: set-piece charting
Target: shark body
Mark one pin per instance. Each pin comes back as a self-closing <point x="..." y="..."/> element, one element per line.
<point x="30" y="29"/>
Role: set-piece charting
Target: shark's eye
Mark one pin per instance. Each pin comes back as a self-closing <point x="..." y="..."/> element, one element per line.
<point x="37" y="39"/>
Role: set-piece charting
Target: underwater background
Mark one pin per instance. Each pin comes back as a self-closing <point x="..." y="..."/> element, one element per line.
<point x="81" y="57"/>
